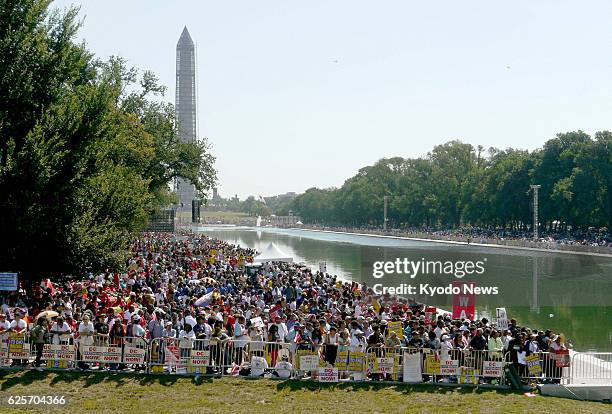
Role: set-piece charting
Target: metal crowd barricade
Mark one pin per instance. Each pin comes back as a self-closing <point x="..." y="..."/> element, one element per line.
<point x="115" y="353"/>
<point x="60" y="354"/>
<point x="383" y="363"/>
<point x="231" y="357"/>
<point x="463" y="366"/>
<point x="350" y="361"/>
<point x="590" y="368"/>
<point x="135" y="353"/>
<point x="476" y="366"/>
<point x="262" y="357"/>
<point x="15" y="349"/>
<point x="187" y="356"/>
<point x="542" y="367"/>
<point x="267" y="356"/>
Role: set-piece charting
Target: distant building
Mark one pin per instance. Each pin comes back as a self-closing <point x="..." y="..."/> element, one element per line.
<point x="185" y="108"/>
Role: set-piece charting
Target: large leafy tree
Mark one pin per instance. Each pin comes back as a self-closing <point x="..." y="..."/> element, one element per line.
<point x="82" y="162"/>
<point x="457" y="184"/>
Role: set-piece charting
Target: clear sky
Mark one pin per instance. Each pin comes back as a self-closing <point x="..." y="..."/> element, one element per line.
<point x="296" y="94"/>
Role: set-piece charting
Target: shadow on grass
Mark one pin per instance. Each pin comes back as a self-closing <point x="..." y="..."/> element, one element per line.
<point x="9" y="379"/>
<point x="298" y="385"/>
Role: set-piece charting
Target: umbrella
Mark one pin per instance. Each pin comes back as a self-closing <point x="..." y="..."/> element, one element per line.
<point x="48" y="314"/>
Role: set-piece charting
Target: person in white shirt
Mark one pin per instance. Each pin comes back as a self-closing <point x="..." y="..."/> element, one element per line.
<point x="282" y="328"/>
<point x="358" y="310"/>
<point x="4" y="324"/>
<point x="86" y="332"/>
<point x="189" y="319"/>
<point x="506" y="339"/>
<point x="137" y="330"/>
<point x="160" y="297"/>
<point x="446" y="346"/>
<point x="127" y="315"/>
<point x="186" y="337"/>
<point x="18" y="324"/>
<point x="258" y="366"/>
<point x="61" y="331"/>
<point x="440" y="330"/>
<point x="240" y="338"/>
<point x="358" y="341"/>
<point x="283" y="368"/>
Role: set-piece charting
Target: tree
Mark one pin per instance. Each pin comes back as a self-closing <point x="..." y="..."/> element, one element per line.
<point x="82" y="163"/>
<point x="459" y="185"/>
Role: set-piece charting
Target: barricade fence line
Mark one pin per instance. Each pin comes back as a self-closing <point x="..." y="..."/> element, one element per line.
<point x="255" y="358"/>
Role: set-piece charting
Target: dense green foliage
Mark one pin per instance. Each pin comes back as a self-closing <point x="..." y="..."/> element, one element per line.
<point x="87" y="148"/>
<point x="457" y="184"/>
<point x="279" y="205"/>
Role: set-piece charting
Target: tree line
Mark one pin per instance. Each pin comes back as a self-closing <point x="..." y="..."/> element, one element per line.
<point x="88" y="148"/>
<point x="459" y="185"/>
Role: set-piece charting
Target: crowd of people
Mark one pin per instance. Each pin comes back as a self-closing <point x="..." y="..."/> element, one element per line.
<point x="191" y="286"/>
<point x="547" y="239"/>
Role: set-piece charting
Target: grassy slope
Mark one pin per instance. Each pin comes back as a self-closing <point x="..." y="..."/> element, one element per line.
<point x="113" y="393"/>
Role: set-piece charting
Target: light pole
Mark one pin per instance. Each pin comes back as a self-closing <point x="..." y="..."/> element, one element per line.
<point x="535" y="188"/>
<point x="385" y="198"/>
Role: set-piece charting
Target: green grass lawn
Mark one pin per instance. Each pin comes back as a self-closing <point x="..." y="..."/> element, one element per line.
<point x="116" y="393"/>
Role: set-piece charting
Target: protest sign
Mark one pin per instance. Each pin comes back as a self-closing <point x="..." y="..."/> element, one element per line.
<point x="431" y="314"/>
<point x="17" y="345"/>
<point x="464" y="302"/>
<point x="109" y="354"/>
<point x="432" y="364"/>
<point x="492" y="368"/>
<point x="383" y="365"/>
<point x="449" y="367"/>
<point x="59" y="352"/>
<point x="355" y="361"/>
<point x="309" y="362"/>
<point x="341" y="360"/>
<point x="562" y="358"/>
<point x="133" y="355"/>
<point x="396" y="326"/>
<point x="257" y="322"/>
<point x="200" y="358"/>
<point x="412" y="368"/>
<point x="502" y="318"/>
<point x="468" y="375"/>
<point x="172" y="355"/>
<point x="533" y="364"/>
<point x="328" y="374"/>
<point x="8" y="281"/>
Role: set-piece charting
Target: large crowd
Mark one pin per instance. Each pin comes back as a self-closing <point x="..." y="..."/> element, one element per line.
<point x="547" y="238"/>
<point x="191" y="286"/>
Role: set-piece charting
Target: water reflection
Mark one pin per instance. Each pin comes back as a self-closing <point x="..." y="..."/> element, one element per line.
<point x="563" y="292"/>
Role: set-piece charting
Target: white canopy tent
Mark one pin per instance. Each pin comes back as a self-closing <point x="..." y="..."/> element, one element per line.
<point x="272" y="254"/>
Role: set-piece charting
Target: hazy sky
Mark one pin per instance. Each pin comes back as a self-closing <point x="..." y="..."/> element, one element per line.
<point x="296" y="94"/>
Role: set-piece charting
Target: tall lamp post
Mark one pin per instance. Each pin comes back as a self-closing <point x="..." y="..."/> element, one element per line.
<point x="386" y="200"/>
<point x="535" y="188"/>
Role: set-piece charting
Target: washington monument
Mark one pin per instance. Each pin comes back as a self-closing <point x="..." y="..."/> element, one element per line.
<point x="185" y="107"/>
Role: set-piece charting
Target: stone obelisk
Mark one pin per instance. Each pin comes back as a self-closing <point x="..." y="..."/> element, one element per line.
<point x="185" y="108"/>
